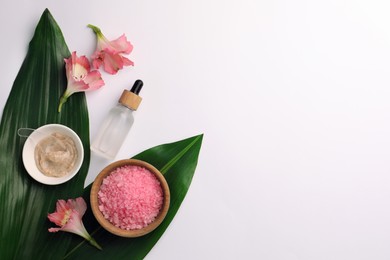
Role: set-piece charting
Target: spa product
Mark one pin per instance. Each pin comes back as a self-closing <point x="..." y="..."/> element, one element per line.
<point x="118" y="123"/>
<point x="130" y="197"/>
<point x="56" y="155"/>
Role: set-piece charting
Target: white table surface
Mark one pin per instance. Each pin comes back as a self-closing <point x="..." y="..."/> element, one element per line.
<point x="293" y="98"/>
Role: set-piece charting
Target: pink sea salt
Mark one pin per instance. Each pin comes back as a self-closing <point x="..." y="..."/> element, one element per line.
<point x="130" y="197"/>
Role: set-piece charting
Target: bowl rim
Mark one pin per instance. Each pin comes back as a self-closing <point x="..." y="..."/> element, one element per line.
<point x="108" y="225"/>
<point x="29" y="149"/>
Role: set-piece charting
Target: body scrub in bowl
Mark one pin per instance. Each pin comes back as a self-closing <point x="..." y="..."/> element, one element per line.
<point x="56" y="155"/>
<point x="53" y="154"/>
<point x="130" y="198"/>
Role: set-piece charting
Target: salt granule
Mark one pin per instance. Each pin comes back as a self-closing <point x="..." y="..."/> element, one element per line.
<point x="130" y="197"/>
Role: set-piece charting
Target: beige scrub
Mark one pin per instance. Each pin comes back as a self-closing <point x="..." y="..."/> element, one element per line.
<point x="56" y="155"/>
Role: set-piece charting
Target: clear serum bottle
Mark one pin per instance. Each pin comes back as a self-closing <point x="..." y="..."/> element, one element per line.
<point x="118" y="123"/>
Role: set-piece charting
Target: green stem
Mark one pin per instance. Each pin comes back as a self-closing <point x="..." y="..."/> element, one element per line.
<point x="96" y="30"/>
<point x="94" y="243"/>
<point x="62" y="101"/>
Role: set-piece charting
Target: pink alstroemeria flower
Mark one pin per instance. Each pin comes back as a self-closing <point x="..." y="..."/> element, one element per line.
<point x="68" y="217"/>
<point x="80" y="77"/>
<point x="109" y="53"/>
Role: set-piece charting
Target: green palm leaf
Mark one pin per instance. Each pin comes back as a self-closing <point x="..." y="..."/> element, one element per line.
<point x="33" y="102"/>
<point x="177" y="161"/>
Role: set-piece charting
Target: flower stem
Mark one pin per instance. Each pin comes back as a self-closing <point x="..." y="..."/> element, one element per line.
<point x="62" y="101"/>
<point x="94" y="243"/>
<point x="96" y="30"/>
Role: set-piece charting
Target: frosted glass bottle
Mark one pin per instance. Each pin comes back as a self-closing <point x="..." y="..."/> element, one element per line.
<point x="118" y="123"/>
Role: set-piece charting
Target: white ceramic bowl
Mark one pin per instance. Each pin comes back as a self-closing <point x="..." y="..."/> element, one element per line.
<point x="29" y="150"/>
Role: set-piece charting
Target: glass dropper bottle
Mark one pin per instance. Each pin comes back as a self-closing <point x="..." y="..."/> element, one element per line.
<point x="118" y="123"/>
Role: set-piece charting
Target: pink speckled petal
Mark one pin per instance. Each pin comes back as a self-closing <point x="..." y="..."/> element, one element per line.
<point x="94" y="80"/>
<point x="112" y="62"/>
<point x="54" y="229"/>
<point x="122" y="45"/>
<point x="127" y="62"/>
<point x="79" y="205"/>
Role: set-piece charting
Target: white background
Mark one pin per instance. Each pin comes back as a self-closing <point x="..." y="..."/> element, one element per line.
<point x="293" y="99"/>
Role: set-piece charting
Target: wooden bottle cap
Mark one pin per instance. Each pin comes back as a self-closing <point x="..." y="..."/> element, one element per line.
<point x="130" y="100"/>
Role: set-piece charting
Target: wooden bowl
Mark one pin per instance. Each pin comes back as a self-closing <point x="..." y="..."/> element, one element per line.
<point x="107" y="224"/>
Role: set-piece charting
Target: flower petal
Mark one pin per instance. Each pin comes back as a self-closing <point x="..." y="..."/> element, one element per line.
<point x="96" y="63"/>
<point x="81" y="61"/>
<point x="112" y="62"/>
<point x="56" y="218"/>
<point x="79" y="205"/>
<point x="122" y="45"/>
<point x="94" y="80"/>
<point x="127" y="62"/>
<point x="61" y="206"/>
<point x="54" y="229"/>
<point x="75" y="224"/>
<point x="76" y="86"/>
